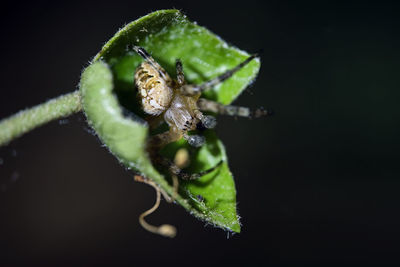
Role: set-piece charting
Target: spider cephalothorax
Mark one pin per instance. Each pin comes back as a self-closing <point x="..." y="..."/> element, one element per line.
<point x="180" y="106"/>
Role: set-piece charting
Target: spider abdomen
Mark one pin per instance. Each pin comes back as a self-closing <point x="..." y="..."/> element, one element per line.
<point x="153" y="90"/>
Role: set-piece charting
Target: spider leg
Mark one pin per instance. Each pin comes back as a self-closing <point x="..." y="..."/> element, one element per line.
<point x="179" y="72"/>
<point x="175" y="170"/>
<point x="146" y="56"/>
<point x="207" y="121"/>
<point x="195" y="89"/>
<point x="212" y="106"/>
<point x="194" y="140"/>
<point x="158" y="141"/>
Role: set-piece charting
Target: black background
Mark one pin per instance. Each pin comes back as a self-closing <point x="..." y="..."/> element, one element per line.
<point x="317" y="183"/>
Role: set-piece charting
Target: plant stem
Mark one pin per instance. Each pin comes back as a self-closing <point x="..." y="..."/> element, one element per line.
<point x="26" y="120"/>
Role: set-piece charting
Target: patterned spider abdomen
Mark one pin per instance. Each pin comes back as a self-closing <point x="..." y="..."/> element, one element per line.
<point x="154" y="91"/>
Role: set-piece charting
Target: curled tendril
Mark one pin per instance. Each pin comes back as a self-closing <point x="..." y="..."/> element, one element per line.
<point x="166" y="230"/>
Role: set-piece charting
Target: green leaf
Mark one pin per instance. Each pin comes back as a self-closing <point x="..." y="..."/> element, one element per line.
<point x="108" y="90"/>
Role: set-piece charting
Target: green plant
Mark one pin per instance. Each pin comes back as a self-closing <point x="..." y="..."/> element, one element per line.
<point x="106" y="88"/>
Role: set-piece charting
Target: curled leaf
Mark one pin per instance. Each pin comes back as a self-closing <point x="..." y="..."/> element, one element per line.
<point x="109" y="101"/>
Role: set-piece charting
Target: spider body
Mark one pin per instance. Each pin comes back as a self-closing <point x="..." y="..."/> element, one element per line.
<point x="160" y="95"/>
<point x="180" y="105"/>
<point x="154" y="90"/>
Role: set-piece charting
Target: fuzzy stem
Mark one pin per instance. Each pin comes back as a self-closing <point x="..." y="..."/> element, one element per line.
<point x="28" y="119"/>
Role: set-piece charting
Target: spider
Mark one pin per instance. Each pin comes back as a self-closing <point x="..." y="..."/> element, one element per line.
<point x="180" y="105"/>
